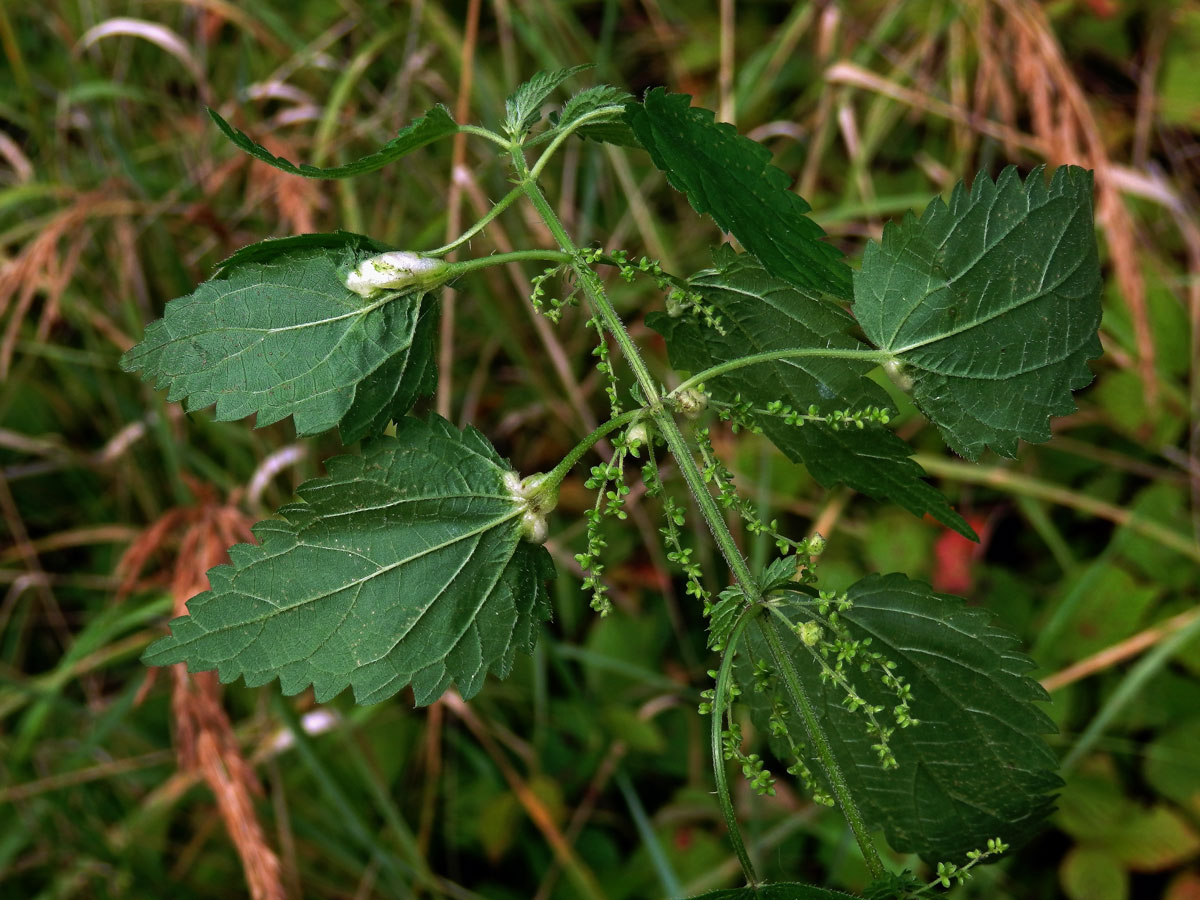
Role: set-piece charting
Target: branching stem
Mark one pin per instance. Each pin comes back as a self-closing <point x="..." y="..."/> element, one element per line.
<point x="668" y="429"/>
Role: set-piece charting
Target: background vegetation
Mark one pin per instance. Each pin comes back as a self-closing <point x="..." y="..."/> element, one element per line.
<point x="586" y="773"/>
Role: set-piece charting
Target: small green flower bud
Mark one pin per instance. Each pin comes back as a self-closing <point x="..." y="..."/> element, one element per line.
<point x="810" y="633"/>
<point x="691" y="403"/>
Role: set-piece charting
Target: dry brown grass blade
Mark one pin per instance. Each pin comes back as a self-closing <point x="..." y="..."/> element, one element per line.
<point x="1119" y="652"/>
<point x="297" y="199"/>
<point x="1063" y="118"/>
<point x="529" y="800"/>
<point x="195" y="539"/>
<point x="42" y="265"/>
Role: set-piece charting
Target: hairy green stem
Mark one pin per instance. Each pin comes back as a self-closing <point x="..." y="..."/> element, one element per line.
<point x="564" y="133"/>
<point x="487" y="134"/>
<point x="720" y="776"/>
<point x="876" y="356"/>
<point x="555" y="476"/>
<point x="502" y="204"/>
<point x="453" y="270"/>
<point x="668" y="429"/>
<point x="820" y="742"/>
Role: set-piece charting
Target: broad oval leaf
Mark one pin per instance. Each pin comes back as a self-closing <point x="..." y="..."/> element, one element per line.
<point x="991" y="305"/>
<point x="977" y="766"/>
<point x="404" y="566"/>
<point x="277" y="333"/>
<point x="781" y="891"/>
<point x="730" y="177"/>
<point x="760" y="313"/>
<point x="435" y="124"/>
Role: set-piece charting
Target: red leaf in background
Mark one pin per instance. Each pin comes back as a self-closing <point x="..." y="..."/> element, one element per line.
<point x="955" y="555"/>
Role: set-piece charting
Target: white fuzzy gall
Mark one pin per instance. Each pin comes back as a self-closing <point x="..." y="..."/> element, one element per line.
<point x="396" y="270"/>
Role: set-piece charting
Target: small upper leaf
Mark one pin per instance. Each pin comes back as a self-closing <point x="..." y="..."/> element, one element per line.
<point x="976" y="766"/>
<point x="435" y="124"/>
<point x="760" y="313"/>
<point x="404" y="566"/>
<point x="611" y="127"/>
<point x="991" y="305"/>
<point x="277" y="333"/>
<point x="731" y="178"/>
<point x="523" y="107"/>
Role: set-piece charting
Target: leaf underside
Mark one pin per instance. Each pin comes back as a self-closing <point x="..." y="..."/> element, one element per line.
<point x="403" y="566"/>
<point x="434" y="125"/>
<point x="760" y="313"/>
<point x="780" y="891"/>
<point x="976" y="767"/>
<point x="278" y="334"/>
<point x="992" y="304"/>
<point x="730" y="177"/>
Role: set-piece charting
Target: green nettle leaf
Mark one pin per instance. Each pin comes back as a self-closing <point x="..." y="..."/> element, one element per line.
<point x="523" y="107"/>
<point x="404" y="566"/>
<point x="781" y="891"/>
<point x="731" y="178"/>
<point x="991" y="305"/>
<point x="279" y="334"/>
<point x="435" y="124"/>
<point x="760" y="313"/>
<point x="610" y="128"/>
<point x="976" y="766"/>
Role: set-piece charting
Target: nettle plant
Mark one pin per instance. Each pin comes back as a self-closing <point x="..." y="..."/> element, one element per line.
<point x="418" y="561"/>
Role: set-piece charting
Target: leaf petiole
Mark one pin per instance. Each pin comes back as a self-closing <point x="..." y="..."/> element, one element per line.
<point x="502" y="204"/>
<point x="877" y="356"/>
<point x="456" y="269"/>
<point x="487" y="134"/>
<point x="564" y="133"/>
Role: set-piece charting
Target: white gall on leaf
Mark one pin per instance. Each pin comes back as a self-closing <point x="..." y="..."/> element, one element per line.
<point x="396" y="270"/>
